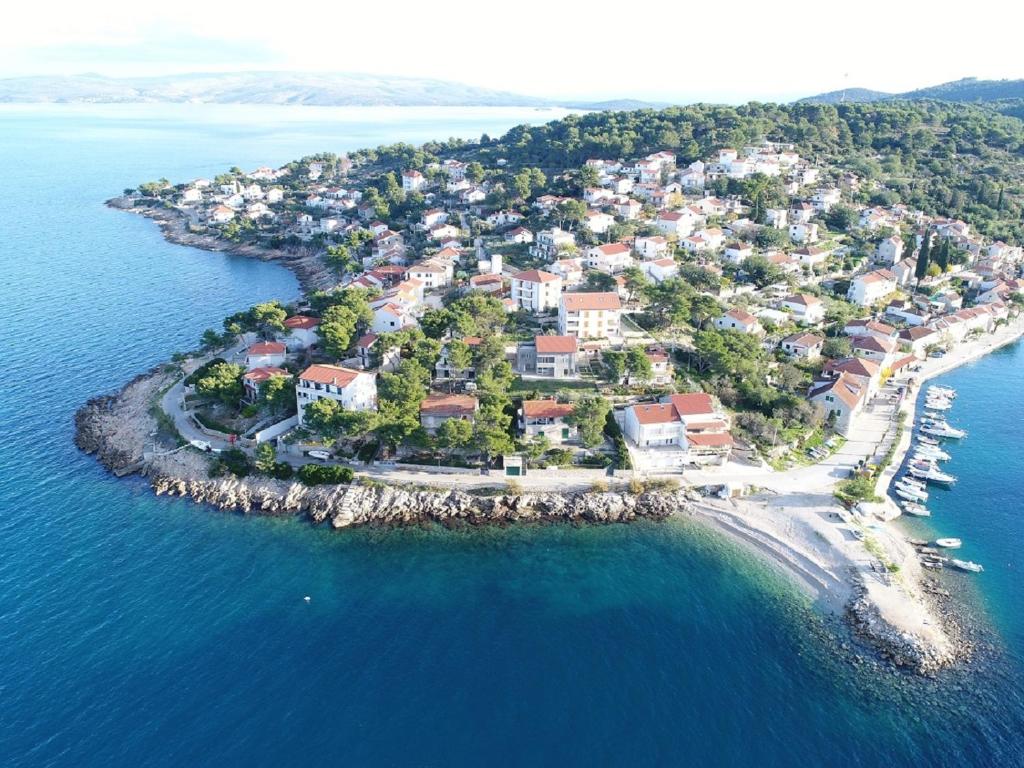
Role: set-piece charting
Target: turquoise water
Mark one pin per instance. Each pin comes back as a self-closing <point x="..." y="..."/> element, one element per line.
<point x="144" y="631"/>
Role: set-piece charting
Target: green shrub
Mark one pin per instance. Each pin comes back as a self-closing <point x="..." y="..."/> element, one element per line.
<point x="202" y="370"/>
<point x="317" y="474"/>
<point x="232" y="461"/>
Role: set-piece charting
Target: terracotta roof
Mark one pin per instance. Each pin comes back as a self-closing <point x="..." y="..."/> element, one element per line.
<point x="692" y="403"/>
<point x="484" y="279"/>
<point x="257" y="375"/>
<point x="448" y="405"/>
<point x="845" y="387"/>
<point x="855" y="366"/>
<point x="613" y="249"/>
<point x="555" y="345"/>
<point x="803" y="339"/>
<point x="536" y="276"/>
<point x="903" y="362"/>
<point x="574" y="302"/>
<point x="803" y="298"/>
<point x="546" y="409"/>
<point x="329" y="374"/>
<point x="710" y="439"/>
<point x="741" y="315"/>
<point x="873" y="343"/>
<point x="367" y="340"/>
<point x="658" y="413"/>
<point x="266" y="348"/>
<point x="916" y="334"/>
<point x="302" y="321"/>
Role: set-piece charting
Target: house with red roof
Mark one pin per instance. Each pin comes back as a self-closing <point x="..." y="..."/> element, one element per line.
<point x="553" y="357"/>
<point x="254" y="379"/>
<point x="610" y="259"/>
<point x="589" y="315"/>
<point x="301" y="332"/>
<point x="536" y="291"/>
<point x="739" y="320"/>
<point x="354" y="390"/>
<point x="436" y="409"/>
<point x="265" y="353"/>
<point x="682" y="428"/>
<point x="546" y="418"/>
<point x="840" y="400"/>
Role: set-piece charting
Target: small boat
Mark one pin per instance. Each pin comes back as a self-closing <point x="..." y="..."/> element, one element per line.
<point x="918" y="542"/>
<point x="912" y="482"/>
<point x="915" y="509"/>
<point x="949" y="543"/>
<point x="931" y="473"/>
<point x="941" y="429"/>
<point x="911" y="494"/>
<point x="925" y="440"/>
<point x="938" y="405"/>
<point x="966" y="565"/>
<point x="931" y="563"/>
<point x="935" y="389"/>
<point x="931" y="452"/>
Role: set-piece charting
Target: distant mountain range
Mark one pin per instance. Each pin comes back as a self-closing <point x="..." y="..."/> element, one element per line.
<point x="969" y="89"/>
<point x="312" y="89"/>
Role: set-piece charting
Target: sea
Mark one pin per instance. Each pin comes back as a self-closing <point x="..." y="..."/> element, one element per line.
<point x="145" y="631"/>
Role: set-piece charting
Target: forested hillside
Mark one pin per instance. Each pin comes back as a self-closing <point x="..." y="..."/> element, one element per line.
<point x="946" y="159"/>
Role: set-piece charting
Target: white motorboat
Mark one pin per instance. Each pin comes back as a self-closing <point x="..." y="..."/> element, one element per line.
<point x="950" y="543"/>
<point x="931" y="473"/>
<point x="938" y="405"/>
<point x="931" y="452"/>
<point x="931" y="562"/>
<point x="947" y="392"/>
<point x="925" y="440"/>
<point x="908" y="493"/>
<point x="915" y="509"/>
<point x="320" y="455"/>
<point x="966" y="565"/>
<point x="941" y="429"/>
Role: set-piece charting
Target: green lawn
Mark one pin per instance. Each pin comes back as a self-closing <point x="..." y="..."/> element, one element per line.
<point x="549" y="386"/>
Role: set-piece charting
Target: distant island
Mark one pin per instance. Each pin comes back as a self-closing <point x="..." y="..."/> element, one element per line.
<point x="284" y="88"/>
<point x="968" y="89"/>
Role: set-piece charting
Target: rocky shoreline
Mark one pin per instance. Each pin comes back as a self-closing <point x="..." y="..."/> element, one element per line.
<point x="123" y="432"/>
<point x="305" y="263"/>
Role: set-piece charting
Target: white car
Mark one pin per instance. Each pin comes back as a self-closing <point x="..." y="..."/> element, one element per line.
<point x="320" y="455"/>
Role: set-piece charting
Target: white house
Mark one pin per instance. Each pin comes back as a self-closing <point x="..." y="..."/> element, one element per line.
<point x="611" y="258"/>
<point x="660" y="270"/>
<point x="413" y="181"/>
<point x="547" y="418"/>
<point x="355" y="390"/>
<point x="777" y="218"/>
<point x="740" y="320"/>
<point x="882" y="351"/>
<point x="253" y="380"/>
<point x="890" y="250"/>
<point x="806" y="346"/>
<point x="678" y="223"/>
<point x="653" y="247"/>
<point x="840" y="400"/>
<point x="805" y="308"/>
<point x="390" y="317"/>
<point x="811" y="256"/>
<point x="265" y="354"/>
<point x="302" y="332"/>
<point x="598" y="222"/>
<point x="589" y="315"/>
<point x="866" y="290"/>
<point x="570" y="270"/>
<point x="800" y="232"/>
<point x="550" y="241"/>
<point x="536" y="291"/>
<point x="221" y="214"/>
<point x="737" y="253"/>
<point x="654" y="425"/>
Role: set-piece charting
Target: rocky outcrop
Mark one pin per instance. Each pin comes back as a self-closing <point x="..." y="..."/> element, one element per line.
<point x="900" y="648"/>
<point x="305" y="263"/>
<point x="358" y="505"/>
<point x="116" y="427"/>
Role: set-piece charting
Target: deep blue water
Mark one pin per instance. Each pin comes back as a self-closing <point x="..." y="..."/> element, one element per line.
<point x="145" y="631"/>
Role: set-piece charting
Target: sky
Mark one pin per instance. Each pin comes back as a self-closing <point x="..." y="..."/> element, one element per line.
<point x="662" y="49"/>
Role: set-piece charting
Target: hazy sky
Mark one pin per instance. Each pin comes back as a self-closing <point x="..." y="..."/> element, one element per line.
<point x="665" y="50"/>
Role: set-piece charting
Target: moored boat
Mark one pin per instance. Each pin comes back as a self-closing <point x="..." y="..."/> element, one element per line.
<point x="949" y="543"/>
<point x="966" y="565"/>
<point x="935" y="389"/>
<point x="915" y="509"/>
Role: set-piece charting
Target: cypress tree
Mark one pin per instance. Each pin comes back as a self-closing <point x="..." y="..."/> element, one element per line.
<point x="942" y="255"/>
<point x="922" y="257"/>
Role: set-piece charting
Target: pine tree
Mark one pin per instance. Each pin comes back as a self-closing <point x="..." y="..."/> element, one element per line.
<point x="922" y="257"/>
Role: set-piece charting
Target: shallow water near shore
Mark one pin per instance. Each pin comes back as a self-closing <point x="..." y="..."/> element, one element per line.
<point x="150" y="631"/>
